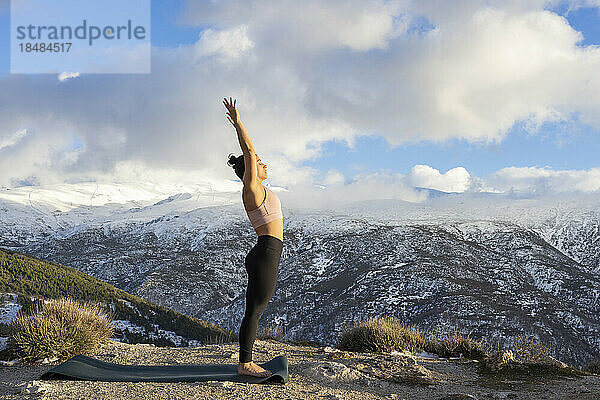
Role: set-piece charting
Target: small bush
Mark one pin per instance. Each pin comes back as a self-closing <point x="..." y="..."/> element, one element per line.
<point x="592" y="366"/>
<point x="59" y="328"/>
<point x="528" y="359"/>
<point x="381" y="335"/>
<point x="455" y="344"/>
<point x="501" y="360"/>
<point x="529" y="350"/>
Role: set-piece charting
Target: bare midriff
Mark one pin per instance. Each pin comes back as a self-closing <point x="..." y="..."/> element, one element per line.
<point x="273" y="228"/>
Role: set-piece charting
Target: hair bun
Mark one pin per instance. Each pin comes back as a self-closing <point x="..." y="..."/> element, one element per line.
<point x="232" y="160"/>
<point x="237" y="163"/>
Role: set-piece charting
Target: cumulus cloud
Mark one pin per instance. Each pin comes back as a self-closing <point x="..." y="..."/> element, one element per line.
<point x="305" y="73"/>
<point x="229" y="44"/>
<point x="455" y="180"/>
<point x="311" y="25"/>
<point x="63" y="76"/>
<point x="532" y="182"/>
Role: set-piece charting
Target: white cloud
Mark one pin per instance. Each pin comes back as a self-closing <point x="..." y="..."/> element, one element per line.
<point x="12" y="139"/>
<point x="454" y="180"/>
<point x="487" y="65"/>
<point x="544" y="181"/>
<point x="311" y="25"/>
<point x="306" y="73"/>
<point x="382" y="185"/>
<point x="32" y="157"/>
<point x="63" y="76"/>
<point x="228" y="44"/>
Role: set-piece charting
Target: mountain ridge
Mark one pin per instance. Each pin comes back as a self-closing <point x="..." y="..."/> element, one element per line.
<point x="520" y="256"/>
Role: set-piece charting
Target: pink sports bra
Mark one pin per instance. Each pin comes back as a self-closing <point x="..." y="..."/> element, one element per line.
<point x="268" y="211"/>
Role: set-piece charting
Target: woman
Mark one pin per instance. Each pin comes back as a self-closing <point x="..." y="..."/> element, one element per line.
<point x="264" y="211"/>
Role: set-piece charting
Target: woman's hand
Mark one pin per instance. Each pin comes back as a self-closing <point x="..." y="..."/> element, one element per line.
<point x="232" y="113"/>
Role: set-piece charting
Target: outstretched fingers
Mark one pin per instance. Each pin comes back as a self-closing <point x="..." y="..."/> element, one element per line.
<point x="229" y="103"/>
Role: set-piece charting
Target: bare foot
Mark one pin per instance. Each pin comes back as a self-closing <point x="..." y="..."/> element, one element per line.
<point x="252" y="369"/>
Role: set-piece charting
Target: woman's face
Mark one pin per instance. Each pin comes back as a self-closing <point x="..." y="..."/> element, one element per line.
<point x="261" y="168"/>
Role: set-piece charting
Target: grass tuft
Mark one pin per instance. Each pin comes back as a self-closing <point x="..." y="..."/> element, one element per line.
<point x="381" y="335"/>
<point x="527" y="349"/>
<point x="59" y="328"/>
<point x="456" y="344"/>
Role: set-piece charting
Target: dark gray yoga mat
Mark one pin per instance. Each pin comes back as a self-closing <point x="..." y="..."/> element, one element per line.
<point x="86" y="368"/>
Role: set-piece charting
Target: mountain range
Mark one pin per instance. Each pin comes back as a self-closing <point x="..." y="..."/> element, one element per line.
<point x="491" y="265"/>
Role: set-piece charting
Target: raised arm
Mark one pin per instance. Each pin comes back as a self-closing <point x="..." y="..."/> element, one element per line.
<point x="250" y="172"/>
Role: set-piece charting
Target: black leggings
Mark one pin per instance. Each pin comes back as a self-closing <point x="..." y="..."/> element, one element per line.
<point x="261" y="264"/>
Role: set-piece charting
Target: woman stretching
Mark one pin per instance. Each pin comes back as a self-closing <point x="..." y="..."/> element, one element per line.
<point x="264" y="211"/>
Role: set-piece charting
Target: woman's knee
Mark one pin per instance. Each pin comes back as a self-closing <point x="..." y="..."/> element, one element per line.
<point x="255" y="310"/>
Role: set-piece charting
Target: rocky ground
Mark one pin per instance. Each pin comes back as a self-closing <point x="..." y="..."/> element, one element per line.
<point x="315" y="373"/>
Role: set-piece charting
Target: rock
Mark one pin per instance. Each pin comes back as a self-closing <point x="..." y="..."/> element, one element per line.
<point x="329" y="371"/>
<point x="551" y="361"/>
<point x="46" y="360"/>
<point x="339" y="354"/>
<point x="329" y="349"/>
<point x="11" y="362"/>
<point x="401" y="353"/>
<point x="35" y="387"/>
<point x="403" y="357"/>
<point x="397" y="371"/>
<point x="416" y="374"/>
<point x="458" y="396"/>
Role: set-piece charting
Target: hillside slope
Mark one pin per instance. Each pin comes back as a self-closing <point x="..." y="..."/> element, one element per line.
<point x="137" y="320"/>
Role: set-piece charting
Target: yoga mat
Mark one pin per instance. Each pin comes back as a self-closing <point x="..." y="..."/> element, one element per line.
<point x="82" y="367"/>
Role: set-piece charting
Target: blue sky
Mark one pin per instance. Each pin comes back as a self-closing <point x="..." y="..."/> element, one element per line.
<point x="562" y="145"/>
<point x="552" y="146"/>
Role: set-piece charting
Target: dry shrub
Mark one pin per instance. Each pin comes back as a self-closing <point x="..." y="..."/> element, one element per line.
<point x="59" y="328"/>
<point x="527" y="349"/>
<point x="455" y="344"/>
<point x="381" y="335"/>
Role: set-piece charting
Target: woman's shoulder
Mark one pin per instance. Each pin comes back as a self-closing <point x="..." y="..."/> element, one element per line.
<point x="255" y="188"/>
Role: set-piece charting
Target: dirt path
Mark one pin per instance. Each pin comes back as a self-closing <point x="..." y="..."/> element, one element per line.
<point x="314" y="374"/>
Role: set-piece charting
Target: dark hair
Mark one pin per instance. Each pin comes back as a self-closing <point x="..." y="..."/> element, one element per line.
<point x="237" y="163"/>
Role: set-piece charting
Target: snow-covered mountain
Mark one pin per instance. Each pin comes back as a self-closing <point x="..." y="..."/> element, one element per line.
<point x="490" y="264"/>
